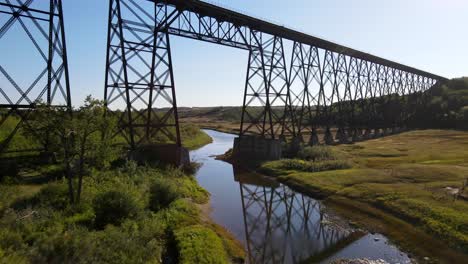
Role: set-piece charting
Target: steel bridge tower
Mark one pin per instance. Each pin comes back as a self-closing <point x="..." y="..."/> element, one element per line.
<point x="34" y="65"/>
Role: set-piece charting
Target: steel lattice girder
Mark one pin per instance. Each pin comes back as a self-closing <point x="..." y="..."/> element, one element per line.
<point x="42" y="23"/>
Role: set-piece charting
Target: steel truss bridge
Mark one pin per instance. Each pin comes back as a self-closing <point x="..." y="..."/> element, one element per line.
<point x="324" y="87"/>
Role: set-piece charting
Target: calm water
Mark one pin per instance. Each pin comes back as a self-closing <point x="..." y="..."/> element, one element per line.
<point x="276" y="224"/>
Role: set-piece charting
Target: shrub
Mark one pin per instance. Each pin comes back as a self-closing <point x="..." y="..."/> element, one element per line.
<point x="198" y="244"/>
<point x="180" y="213"/>
<point x="114" y="207"/>
<point x="11" y="257"/>
<point x="11" y="240"/>
<point x="316" y="153"/>
<point x="8" y="169"/>
<point x="53" y="195"/>
<point x="162" y="194"/>
<point x="119" y="245"/>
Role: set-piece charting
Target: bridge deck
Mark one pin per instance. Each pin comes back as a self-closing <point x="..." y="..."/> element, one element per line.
<point x="223" y="14"/>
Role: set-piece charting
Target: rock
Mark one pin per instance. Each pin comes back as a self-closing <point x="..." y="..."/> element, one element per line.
<point x="427" y="258"/>
<point x="359" y="261"/>
<point x="376" y="239"/>
<point x="452" y="191"/>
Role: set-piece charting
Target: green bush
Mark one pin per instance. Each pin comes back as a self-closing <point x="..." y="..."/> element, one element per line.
<point x="9" y="169"/>
<point x="198" y="244"/>
<point x="11" y="240"/>
<point x="180" y="213"/>
<point x="316" y="153"/>
<point x="11" y="257"/>
<point x="162" y="194"/>
<point x="53" y="195"/>
<point x="113" y="207"/>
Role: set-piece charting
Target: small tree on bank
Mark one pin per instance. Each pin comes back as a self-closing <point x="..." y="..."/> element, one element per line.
<point x="80" y="139"/>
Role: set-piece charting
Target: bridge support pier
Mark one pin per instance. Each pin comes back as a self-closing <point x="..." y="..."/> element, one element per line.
<point x="386" y="131"/>
<point x="378" y="133"/>
<point x="167" y="154"/>
<point x="342" y="136"/>
<point x="367" y="134"/>
<point x="355" y="135"/>
<point x="314" y="140"/>
<point x="256" y="148"/>
<point x="328" y="137"/>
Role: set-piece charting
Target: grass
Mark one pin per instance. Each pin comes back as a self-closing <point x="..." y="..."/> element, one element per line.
<point x="278" y="167"/>
<point x="20" y="141"/>
<point x="199" y="244"/>
<point x="37" y="225"/>
<point x="193" y="137"/>
<point x="309" y="159"/>
<point x="404" y="175"/>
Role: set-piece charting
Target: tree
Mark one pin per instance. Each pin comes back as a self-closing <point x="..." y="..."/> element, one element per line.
<point x="92" y="137"/>
<point x="79" y="138"/>
<point x="53" y="127"/>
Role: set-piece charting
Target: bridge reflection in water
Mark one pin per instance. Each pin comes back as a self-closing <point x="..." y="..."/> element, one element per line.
<point x="276" y="224"/>
<point x="282" y="226"/>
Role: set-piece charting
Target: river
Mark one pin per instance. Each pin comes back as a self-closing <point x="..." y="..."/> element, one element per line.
<point x="276" y="224"/>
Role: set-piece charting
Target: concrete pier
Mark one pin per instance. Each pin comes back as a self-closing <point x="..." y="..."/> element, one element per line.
<point x="166" y="154"/>
<point x="341" y="136"/>
<point x="257" y="148"/>
<point x="314" y="139"/>
<point x="328" y="137"/>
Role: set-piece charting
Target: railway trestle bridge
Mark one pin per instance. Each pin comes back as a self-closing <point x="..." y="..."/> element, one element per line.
<point x="319" y="90"/>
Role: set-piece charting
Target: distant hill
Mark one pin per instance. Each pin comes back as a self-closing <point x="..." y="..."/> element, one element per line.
<point x="447" y="108"/>
<point x="219" y="113"/>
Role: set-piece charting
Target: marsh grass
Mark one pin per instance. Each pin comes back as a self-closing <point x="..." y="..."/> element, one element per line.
<point x="404" y="175"/>
<point x="317" y="153"/>
<point x="309" y="159"/>
<point x="275" y="168"/>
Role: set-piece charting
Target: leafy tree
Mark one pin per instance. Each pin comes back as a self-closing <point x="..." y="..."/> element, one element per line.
<point x="79" y="138"/>
<point x="53" y="127"/>
<point x="92" y="137"/>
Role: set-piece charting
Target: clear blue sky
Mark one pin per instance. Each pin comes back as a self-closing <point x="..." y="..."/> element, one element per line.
<point x="428" y="34"/>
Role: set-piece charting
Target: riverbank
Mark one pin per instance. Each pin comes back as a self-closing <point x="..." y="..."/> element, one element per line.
<point x="127" y="214"/>
<point x="193" y="137"/>
<point x="412" y="176"/>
